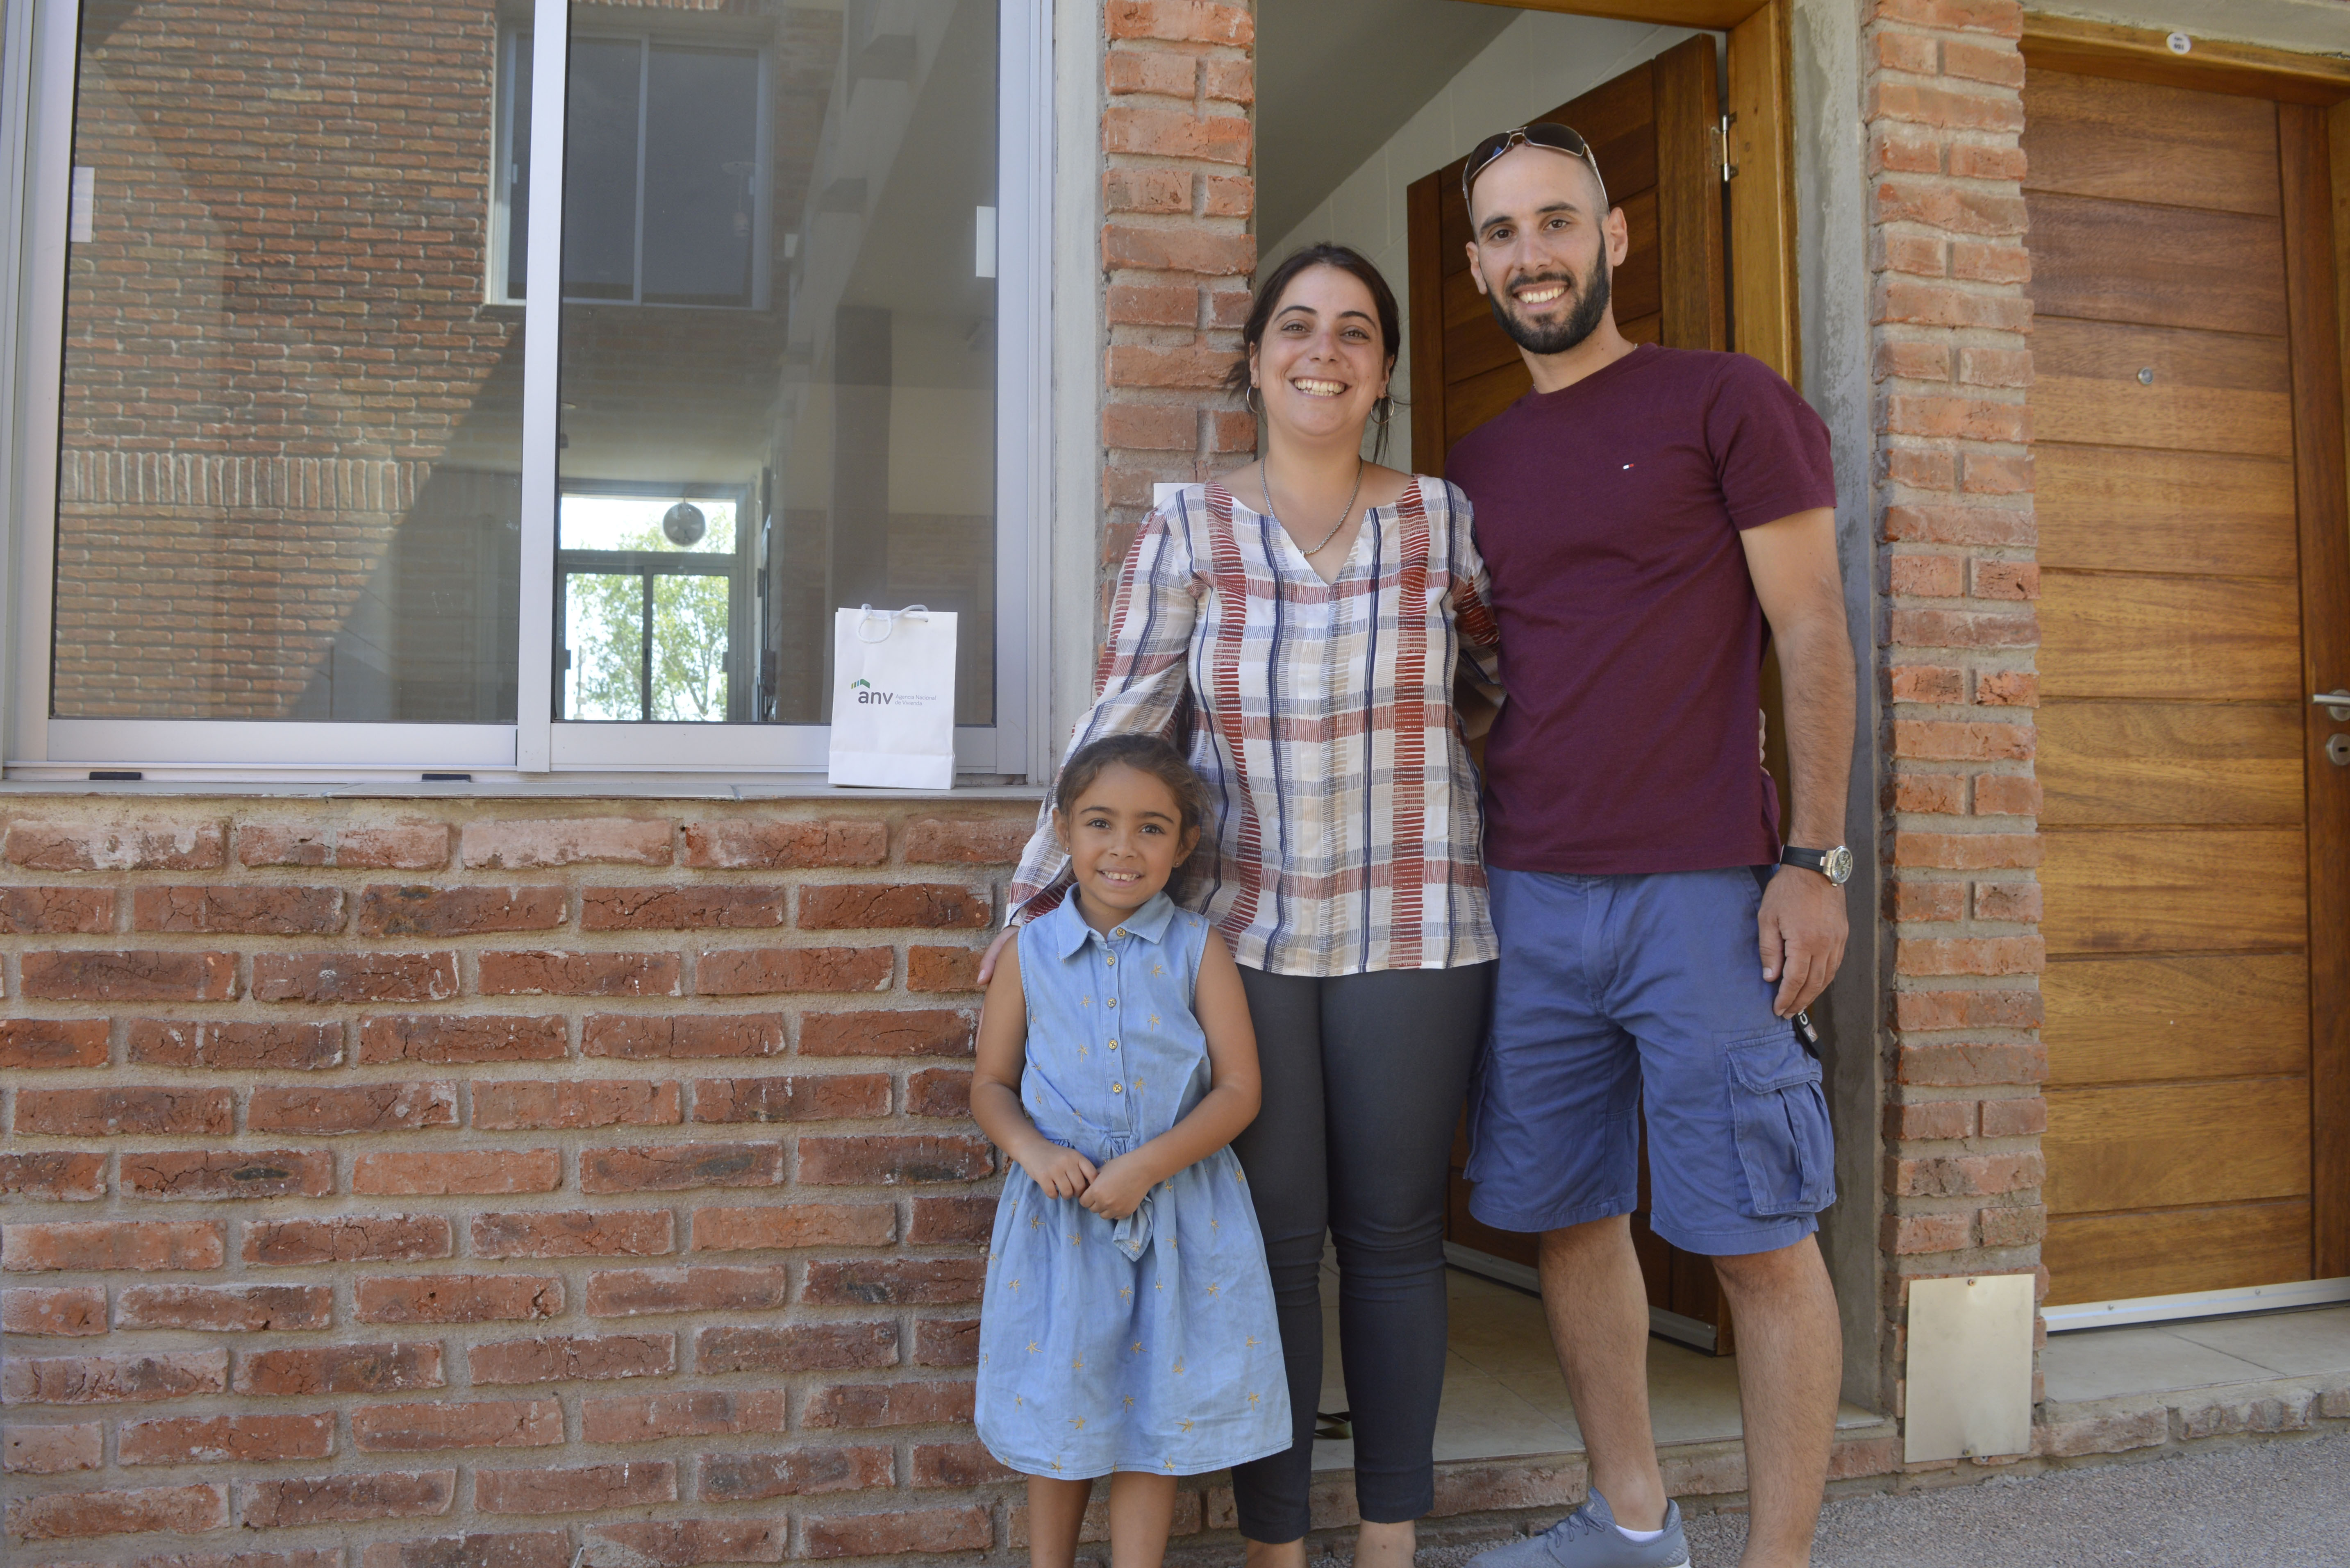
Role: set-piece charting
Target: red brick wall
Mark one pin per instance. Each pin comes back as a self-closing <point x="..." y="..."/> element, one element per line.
<point x="1962" y="1163"/>
<point x="1178" y="143"/>
<point x="449" y="1186"/>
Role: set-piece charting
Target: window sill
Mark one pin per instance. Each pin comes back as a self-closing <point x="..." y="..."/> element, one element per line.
<point x="506" y="786"/>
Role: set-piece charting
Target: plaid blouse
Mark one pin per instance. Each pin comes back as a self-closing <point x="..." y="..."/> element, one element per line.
<point x="1320" y="716"/>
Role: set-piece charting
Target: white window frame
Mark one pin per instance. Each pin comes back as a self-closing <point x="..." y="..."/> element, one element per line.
<point x="41" y="82"/>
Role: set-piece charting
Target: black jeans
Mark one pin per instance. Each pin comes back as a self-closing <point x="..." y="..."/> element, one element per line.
<point x="1364" y="1079"/>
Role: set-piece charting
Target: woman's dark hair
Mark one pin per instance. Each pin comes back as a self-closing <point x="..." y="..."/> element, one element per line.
<point x="1143" y="753"/>
<point x="1275" y="284"/>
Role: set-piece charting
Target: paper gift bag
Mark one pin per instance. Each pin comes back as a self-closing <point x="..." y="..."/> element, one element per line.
<point x="893" y="698"/>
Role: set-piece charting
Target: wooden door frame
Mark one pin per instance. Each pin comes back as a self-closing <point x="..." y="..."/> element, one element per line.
<point x="1759" y="94"/>
<point x="2313" y="96"/>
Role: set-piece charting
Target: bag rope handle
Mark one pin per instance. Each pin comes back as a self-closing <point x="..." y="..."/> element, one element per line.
<point x="889" y="619"/>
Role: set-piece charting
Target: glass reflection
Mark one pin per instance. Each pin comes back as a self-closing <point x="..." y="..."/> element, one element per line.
<point x="290" y="442"/>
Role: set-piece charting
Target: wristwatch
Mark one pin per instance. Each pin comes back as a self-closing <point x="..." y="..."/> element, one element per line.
<point x="1836" y="864"/>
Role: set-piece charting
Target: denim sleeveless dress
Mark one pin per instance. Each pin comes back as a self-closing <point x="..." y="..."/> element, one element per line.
<point x="1147" y="1344"/>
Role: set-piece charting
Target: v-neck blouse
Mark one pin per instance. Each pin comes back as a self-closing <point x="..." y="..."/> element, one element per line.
<point x="1348" y="832"/>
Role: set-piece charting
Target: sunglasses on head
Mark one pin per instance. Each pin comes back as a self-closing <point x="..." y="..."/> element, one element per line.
<point x="1542" y="133"/>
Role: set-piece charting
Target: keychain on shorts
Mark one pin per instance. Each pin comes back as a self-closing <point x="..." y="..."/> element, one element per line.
<point x="1807" y="1034"/>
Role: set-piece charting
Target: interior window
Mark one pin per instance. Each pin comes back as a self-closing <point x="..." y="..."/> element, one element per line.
<point x="662" y="170"/>
<point x="650" y="587"/>
<point x="701" y="166"/>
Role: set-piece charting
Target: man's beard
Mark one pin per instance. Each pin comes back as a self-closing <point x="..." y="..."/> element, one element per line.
<point x="1557" y="337"/>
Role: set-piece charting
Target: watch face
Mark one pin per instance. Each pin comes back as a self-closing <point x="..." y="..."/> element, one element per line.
<point x="1836" y="864"/>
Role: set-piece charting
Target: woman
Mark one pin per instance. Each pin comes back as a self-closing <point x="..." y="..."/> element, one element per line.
<point x="1296" y="627"/>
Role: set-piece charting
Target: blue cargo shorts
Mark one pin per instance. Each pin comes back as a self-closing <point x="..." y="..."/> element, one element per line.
<point x="1617" y="994"/>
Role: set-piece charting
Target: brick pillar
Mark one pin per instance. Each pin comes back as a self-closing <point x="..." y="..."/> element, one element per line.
<point x="1962" y="1166"/>
<point x="1178" y="143"/>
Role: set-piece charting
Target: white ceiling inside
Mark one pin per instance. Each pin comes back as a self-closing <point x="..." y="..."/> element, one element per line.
<point x="1334" y="79"/>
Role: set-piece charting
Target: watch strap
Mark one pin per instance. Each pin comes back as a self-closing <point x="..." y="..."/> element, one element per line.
<point x="1836" y="864"/>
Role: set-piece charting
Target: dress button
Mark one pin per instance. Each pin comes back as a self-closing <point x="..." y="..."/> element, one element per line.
<point x="1117" y="1088"/>
<point x="1109" y="958"/>
<point x="1112" y="1003"/>
<point x="1113" y="1044"/>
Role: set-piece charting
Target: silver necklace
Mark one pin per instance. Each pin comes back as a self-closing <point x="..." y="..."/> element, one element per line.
<point x="1264" y="483"/>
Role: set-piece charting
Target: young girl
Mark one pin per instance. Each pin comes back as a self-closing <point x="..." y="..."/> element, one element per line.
<point x="1128" y="1326"/>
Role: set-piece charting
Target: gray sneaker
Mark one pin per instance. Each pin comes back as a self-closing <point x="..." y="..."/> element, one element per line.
<point x="1589" y="1538"/>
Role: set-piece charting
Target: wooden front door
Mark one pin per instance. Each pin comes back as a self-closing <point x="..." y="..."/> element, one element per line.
<point x="2186" y="411"/>
<point x="1652" y="130"/>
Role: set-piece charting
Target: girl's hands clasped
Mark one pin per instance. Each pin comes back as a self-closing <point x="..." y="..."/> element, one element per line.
<point x="1119" y="1187"/>
<point x="1058" y="1172"/>
<point x="1113" y="1191"/>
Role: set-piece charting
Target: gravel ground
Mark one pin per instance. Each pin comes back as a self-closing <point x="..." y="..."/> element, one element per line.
<point x="2270" y="1505"/>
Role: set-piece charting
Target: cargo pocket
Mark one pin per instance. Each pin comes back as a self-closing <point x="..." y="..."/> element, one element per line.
<point x="1780" y="1117"/>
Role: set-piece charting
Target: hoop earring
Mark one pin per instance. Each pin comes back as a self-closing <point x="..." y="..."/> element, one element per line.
<point x="1248" y="399"/>
<point x="1387" y="403"/>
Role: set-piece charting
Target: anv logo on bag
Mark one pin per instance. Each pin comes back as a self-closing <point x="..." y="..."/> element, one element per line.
<point x="893" y="698"/>
<point x="867" y="693"/>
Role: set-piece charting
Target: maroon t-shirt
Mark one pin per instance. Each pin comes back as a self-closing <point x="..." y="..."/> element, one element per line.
<point x="1608" y="515"/>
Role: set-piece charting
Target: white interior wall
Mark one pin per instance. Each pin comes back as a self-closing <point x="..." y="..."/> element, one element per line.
<point x="1539" y="62"/>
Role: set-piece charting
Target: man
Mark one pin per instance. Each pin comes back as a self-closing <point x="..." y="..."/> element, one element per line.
<point x="1644" y="513"/>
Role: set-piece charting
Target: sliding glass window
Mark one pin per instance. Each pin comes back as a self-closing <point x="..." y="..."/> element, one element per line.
<point x="335" y="486"/>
